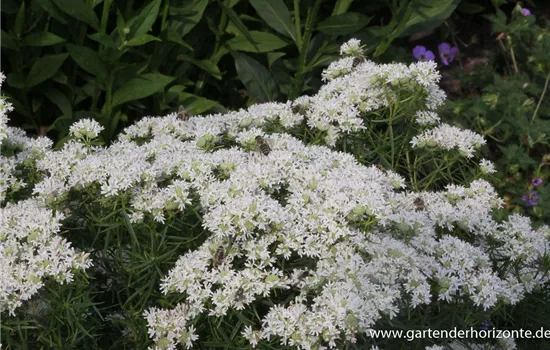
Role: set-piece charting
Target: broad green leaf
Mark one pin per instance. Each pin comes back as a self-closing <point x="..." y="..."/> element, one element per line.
<point x="470" y="8"/>
<point x="430" y="14"/>
<point x="171" y="36"/>
<point x="344" y="24"/>
<point x="272" y="57"/>
<point x="44" y="68"/>
<point x="341" y="7"/>
<point x="142" y="40"/>
<point x="232" y="3"/>
<point x="19" y="20"/>
<point x="142" y="23"/>
<point x="88" y="60"/>
<point x="103" y="39"/>
<point x="192" y="14"/>
<point x="265" y="42"/>
<point x="42" y="39"/>
<point x="140" y="87"/>
<point x="52" y="10"/>
<point x="10" y="6"/>
<point x="7" y="40"/>
<point x="16" y="80"/>
<point x="36" y="102"/>
<point x="80" y="10"/>
<point x="276" y="15"/>
<point x="59" y="99"/>
<point x="205" y="65"/>
<point x="256" y="78"/>
<point x="195" y="104"/>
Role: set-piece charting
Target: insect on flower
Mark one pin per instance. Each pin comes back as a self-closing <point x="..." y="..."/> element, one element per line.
<point x="419" y="204"/>
<point x="219" y="255"/>
<point x="298" y="109"/>
<point x="303" y="275"/>
<point x="183" y="115"/>
<point x="262" y="145"/>
<point x="239" y="295"/>
<point x="358" y="60"/>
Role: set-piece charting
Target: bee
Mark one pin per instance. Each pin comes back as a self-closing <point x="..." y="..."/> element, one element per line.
<point x="298" y="109"/>
<point x="183" y="115"/>
<point x="239" y="295"/>
<point x="303" y="275"/>
<point x="419" y="204"/>
<point x="358" y="60"/>
<point x="219" y="255"/>
<point x="262" y="145"/>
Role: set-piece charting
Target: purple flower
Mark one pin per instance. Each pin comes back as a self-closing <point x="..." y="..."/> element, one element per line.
<point x="531" y="199"/>
<point x="447" y="53"/>
<point x="421" y="54"/>
<point x="525" y="12"/>
<point x="536" y="182"/>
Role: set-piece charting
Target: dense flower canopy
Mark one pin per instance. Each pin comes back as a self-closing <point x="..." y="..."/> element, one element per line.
<point x="372" y="247"/>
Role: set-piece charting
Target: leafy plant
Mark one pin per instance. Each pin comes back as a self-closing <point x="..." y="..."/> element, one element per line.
<point x="112" y="60"/>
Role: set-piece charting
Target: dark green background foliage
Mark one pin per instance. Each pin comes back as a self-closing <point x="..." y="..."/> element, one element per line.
<point x="116" y="61"/>
<point x="509" y="105"/>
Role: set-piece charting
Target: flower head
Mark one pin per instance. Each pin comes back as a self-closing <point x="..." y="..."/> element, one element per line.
<point x="447" y="53"/>
<point x="526" y="12"/>
<point x="536" y="182"/>
<point x="421" y="54"/>
<point x="531" y="199"/>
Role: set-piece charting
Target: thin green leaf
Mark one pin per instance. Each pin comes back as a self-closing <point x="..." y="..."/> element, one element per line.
<point x="129" y="227"/>
<point x="276" y="15"/>
<point x="44" y="68"/>
<point x="256" y="78"/>
<point x="240" y="25"/>
<point x="80" y="10"/>
<point x="88" y="60"/>
<point x="140" y="87"/>
<point x="42" y="39"/>
<point x="344" y="24"/>
<point x="266" y="42"/>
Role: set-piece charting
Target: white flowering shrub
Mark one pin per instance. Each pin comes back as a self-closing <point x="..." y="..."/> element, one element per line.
<point x="306" y="244"/>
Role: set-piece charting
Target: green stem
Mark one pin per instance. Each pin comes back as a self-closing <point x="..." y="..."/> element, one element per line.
<point x="298" y="24"/>
<point x="105" y="17"/>
<point x="541" y="97"/>
<point x="298" y="78"/>
<point x="164" y="16"/>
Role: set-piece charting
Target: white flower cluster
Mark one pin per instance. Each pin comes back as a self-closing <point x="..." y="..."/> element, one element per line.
<point x="366" y="248"/>
<point x="449" y="137"/>
<point x="31" y="250"/>
<point x="5" y="107"/>
<point x="352" y="92"/>
<point x="85" y="129"/>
